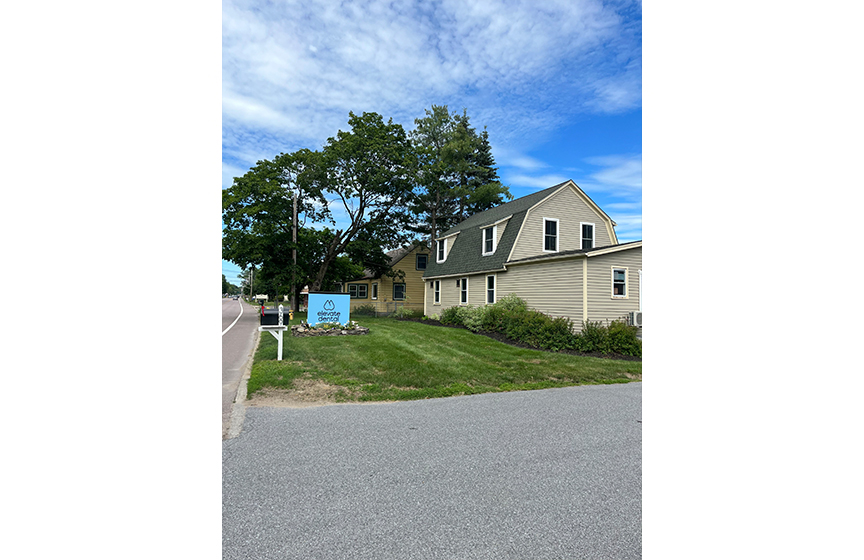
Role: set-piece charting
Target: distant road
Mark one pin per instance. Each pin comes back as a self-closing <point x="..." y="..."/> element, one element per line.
<point x="237" y="345"/>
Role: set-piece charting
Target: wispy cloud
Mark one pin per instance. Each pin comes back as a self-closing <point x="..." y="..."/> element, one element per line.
<point x="619" y="171"/>
<point x="295" y="68"/>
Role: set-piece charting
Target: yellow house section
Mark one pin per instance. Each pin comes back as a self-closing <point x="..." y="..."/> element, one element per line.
<point x="385" y="302"/>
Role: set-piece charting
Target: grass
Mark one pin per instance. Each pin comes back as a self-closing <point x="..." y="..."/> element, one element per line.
<point x="404" y="360"/>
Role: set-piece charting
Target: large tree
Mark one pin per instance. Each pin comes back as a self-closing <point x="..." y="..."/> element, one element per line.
<point x="456" y="176"/>
<point x="366" y="173"/>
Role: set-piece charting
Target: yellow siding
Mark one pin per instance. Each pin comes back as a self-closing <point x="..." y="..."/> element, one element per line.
<point x="413" y="286"/>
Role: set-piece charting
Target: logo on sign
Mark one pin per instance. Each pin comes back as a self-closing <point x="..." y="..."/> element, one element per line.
<point x="329" y="305"/>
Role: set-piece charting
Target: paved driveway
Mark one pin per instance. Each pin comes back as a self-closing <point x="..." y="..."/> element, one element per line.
<point x="528" y="475"/>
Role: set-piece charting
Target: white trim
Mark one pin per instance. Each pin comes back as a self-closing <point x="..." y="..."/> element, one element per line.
<point x="494" y="289"/>
<point x="463" y="279"/>
<point x="373" y="291"/>
<point x="626" y="282"/>
<point x="469" y="273"/>
<point x="494" y="240"/>
<point x="640" y="291"/>
<point x="593" y="233"/>
<point x="438" y="250"/>
<point x="436" y="290"/>
<point x="557" y="235"/>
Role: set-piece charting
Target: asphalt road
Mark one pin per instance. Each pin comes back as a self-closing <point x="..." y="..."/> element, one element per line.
<point x="528" y="475"/>
<point x="237" y="346"/>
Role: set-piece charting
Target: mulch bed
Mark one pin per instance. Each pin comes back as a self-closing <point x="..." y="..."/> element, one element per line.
<point x="506" y="340"/>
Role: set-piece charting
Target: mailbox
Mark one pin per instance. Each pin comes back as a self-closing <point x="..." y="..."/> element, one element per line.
<point x="271" y="317"/>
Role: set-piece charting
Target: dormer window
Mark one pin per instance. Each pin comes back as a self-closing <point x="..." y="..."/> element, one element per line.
<point x="550" y="235"/>
<point x="587" y="235"/>
<point x="489" y="237"/>
<point x="442" y="250"/>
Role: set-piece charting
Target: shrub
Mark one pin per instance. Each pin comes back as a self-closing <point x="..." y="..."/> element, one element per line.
<point x="403" y="313"/>
<point x="450" y="316"/>
<point x="618" y="338"/>
<point x="592" y="338"/>
<point x="365" y="309"/>
<point x="472" y="317"/>
<point x="622" y="339"/>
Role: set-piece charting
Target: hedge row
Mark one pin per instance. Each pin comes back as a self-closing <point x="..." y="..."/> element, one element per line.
<point x="511" y="317"/>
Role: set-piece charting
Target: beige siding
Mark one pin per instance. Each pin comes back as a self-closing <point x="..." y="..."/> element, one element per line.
<point x="570" y="210"/>
<point x="601" y="305"/>
<point x="450" y="293"/>
<point x="553" y="287"/>
<point x="556" y="287"/>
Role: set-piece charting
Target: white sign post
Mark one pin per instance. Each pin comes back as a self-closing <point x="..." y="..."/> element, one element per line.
<point x="276" y="330"/>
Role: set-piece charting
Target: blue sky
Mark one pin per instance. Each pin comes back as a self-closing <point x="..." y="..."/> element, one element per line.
<point x="558" y="85"/>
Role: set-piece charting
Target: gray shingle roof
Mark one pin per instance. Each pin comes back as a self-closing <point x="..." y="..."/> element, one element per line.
<point x="467" y="254"/>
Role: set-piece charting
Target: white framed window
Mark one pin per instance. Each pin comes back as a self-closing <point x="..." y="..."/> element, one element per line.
<point x="375" y="290"/>
<point x="358" y="291"/>
<point x="437" y="292"/>
<point x="463" y="291"/>
<point x="490" y="236"/>
<point x="441" y="251"/>
<point x="490" y="289"/>
<point x="619" y="282"/>
<point x="586" y="232"/>
<point x="550" y="235"/>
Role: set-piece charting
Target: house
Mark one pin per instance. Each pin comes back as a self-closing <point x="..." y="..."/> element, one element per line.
<point x="555" y="248"/>
<point x="386" y="293"/>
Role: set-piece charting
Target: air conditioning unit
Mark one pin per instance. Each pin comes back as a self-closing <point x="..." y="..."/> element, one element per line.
<point x="636" y="318"/>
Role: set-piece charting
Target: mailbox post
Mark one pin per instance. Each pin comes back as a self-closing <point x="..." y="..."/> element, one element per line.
<point x="276" y="330"/>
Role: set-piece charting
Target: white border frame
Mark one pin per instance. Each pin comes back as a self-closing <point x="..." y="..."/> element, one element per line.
<point x="557" y="235"/>
<point x="494" y="240"/>
<point x="593" y="231"/>
<point x="626" y="282"/>
<point x="494" y="289"/>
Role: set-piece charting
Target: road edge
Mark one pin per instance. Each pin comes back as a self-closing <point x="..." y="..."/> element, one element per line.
<point x="238" y="407"/>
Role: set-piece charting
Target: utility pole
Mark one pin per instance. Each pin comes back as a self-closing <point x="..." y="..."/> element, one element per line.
<point x="294" y="295"/>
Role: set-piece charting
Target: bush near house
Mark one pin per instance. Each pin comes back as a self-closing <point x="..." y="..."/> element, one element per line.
<point x="511" y="317"/>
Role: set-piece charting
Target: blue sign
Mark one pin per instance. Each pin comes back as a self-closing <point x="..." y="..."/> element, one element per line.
<point x="329" y="308"/>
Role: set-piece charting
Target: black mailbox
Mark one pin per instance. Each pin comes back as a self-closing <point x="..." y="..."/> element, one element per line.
<point x="271" y="317"/>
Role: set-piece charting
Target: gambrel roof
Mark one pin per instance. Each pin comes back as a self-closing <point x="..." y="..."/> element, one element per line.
<point x="465" y="256"/>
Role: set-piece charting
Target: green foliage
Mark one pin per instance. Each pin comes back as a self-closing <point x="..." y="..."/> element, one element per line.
<point x="366" y="309"/>
<point x="456" y="174"/>
<point x="401" y="360"/>
<point x="450" y="316"/>
<point x="617" y="338"/>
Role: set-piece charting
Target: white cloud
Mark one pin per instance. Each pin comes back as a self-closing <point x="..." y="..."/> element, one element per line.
<point x="295" y="68"/>
<point x="620" y="171"/>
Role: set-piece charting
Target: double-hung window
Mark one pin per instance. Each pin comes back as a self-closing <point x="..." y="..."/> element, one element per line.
<point x="489" y="240"/>
<point x="442" y="250"/>
<point x="587" y="235"/>
<point x="422" y="259"/>
<point x="437" y="291"/>
<point x="463" y="291"/>
<point x="358" y="291"/>
<point x="490" y="289"/>
<point x="619" y="282"/>
<point x="375" y="290"/>
<point x="550" y="235"/>
<point x="398" y="291"/>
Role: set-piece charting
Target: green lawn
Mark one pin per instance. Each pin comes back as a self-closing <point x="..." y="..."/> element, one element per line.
<point x="404" y="360"/>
